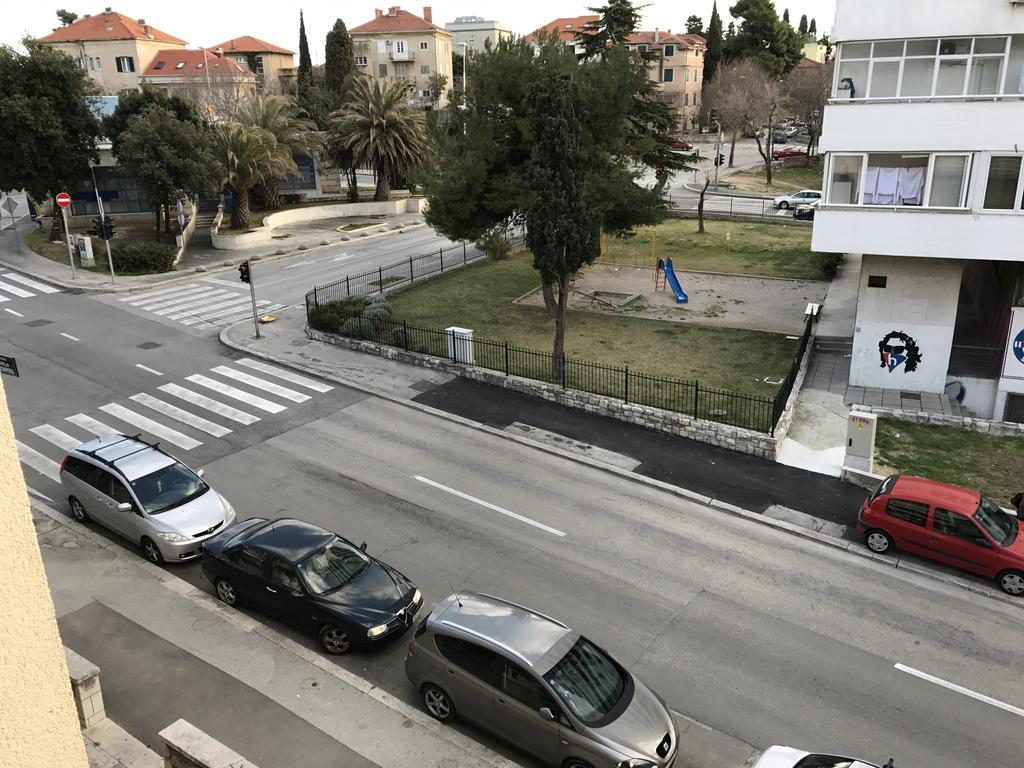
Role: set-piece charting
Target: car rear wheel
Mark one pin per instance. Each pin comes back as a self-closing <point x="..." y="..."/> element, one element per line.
<point x="575" y="762"/>
<point x="335" y="640"/>
<point x="1011" y="582"/>
<point x="77" y="510"/>
<point x="878" y="541"/>
<point x="152" y="552"/>
<point x="226" y="593"/>
<point x="784" y="204"/>
<point x="438" y="703"/>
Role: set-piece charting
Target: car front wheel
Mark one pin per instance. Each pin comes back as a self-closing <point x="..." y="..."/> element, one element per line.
<point x="1011" y="582"/>
<point x="438" y="703"/>
<point x="784" y="204"/>
<point x="878" y="541"/>
<point x="77" y="510"/>
<point x="335" y="640"/>
<point x="152" y="552"/>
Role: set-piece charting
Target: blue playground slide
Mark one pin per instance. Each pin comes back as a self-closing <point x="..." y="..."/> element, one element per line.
<point x="673" y="281"/>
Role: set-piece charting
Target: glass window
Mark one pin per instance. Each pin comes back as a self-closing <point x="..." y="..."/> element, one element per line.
<point x="423" y="46"/>
<point x="989" y="45"/>
<point x="667" y="76"/>
<point x="948" y="174"/>
<point x="950" y="80"/>
<point x="241" y="536"/>
<point x="249" y="560"/>
<point x="477" y="661"/>
<point x="83" y="470"/>
<point x="884" y="487"/>
<point x="917" y="77"/>
<point x="884" y="78"/>
<point x="669" y="50"/>
<point x="99" y="64"/>
<point x="888" y="50"/>
<point x="953" y="524"/>
<point x="999" y="525"/>
<point x="985" y="73"/>
<point x="853" y="78"/>
<point x="168" y="487"/>
<point x="826" y="761"/>
<point x="119" y="493"/>
<point x="588" y="681"/>
<point x="524" y="687"/>
<point x="844" y="187"/>
<point x="1001" y="189"/>
<point x="283" y="575"/>
<point x="425" y="69"/>
<point x="125" y="64"/>
<point x="382" y="70"/>
<point x="334" y="566"/>
<point x="854" y="51"/>
<point x="910" y="511"/>
<point x="921" y="47"/>
<point x="955" y="46"/>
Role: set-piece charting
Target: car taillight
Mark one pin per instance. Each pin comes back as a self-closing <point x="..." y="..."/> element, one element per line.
<point x="64" y="463"/>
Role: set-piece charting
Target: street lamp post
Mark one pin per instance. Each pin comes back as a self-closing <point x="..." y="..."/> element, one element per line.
<point x="718" y="150"/>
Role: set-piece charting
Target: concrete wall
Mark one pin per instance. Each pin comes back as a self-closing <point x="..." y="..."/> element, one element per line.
<point x="881" y="19"/>
<point x="38" y="721"/>
<point x="920" y="300"/>
<point x="185" y="746"/>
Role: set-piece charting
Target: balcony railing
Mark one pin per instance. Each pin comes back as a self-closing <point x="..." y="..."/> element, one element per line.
<point x="406" y="55"/>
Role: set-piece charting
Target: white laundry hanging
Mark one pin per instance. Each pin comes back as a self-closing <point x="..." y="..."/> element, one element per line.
<point x="870" y="185"/>
<point x="888" y="186"/>
<point x="911" y="185"/>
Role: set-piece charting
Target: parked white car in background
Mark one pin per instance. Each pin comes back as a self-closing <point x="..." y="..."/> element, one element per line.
<point x="797" y="198"/>
<point x="787" y="757"/>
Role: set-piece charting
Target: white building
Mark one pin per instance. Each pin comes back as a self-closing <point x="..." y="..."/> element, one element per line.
<point x="925" y="178"/>
<point x="475" y="32"/>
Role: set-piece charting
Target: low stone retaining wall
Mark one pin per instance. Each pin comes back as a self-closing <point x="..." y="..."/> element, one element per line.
<point x="264" y="233"/>
<point x="966" y="423"/>
<point x="711" y="432"/>
<point x="185" y="746"/>
<point x="85" y="687"/>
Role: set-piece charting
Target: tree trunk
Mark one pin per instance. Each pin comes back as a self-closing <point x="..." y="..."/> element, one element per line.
<point x="156" y="222"/>
<point x="766" y="155"/>
<point x="557" y="310"/>
<point x="700" y="205"/>
<point x="353" y="184"/>
<point x="265" y="195"/>
<point x="732" y="147"/>
<point x="383" y="191"/>
<point x="240" y="209"/>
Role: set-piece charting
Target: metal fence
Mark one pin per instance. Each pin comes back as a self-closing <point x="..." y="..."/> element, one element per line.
<point x="729" y="206"/>
<point x="782" y="396"/>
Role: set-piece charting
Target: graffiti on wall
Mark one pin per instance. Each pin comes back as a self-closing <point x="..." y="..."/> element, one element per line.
<point x="898" y="349"/>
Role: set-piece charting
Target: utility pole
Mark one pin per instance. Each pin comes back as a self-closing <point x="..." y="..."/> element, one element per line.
<point x="718" y="150"/>
<point x="103" y="217"/>
<point x="63" y="200"/>
<point x="245" y="275"/>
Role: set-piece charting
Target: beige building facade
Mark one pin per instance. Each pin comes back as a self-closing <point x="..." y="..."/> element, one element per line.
<point x="273" y="65"/>
<point x="678" y="68"/>
<point x="114" y="49"/>
<point x="38" y="721"/>
<point x="398" y="45"/>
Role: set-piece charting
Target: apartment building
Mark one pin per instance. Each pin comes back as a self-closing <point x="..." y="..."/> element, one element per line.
<point x="475" y="32"/>
<point x="924" y="176"/>
<point x="273" y="65"/>
<point x="568" y="30"/>
<point x="213" y="82"/>
<point x="678" y="68"/>
<point x="114" y="49"/>
<point x="400" y="45"/>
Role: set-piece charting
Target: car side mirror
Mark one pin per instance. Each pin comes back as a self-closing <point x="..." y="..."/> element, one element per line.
<point x="124" y="506"/>
<point x="200" y="472"/>
<point x="546" y="714"/>
<point x="298" y="593"/>
<point x="363" y="546"/>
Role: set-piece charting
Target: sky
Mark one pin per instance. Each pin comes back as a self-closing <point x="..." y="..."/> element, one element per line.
<point x="204" y="23"/>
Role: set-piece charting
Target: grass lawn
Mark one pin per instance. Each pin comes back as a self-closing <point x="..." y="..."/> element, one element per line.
<point x="990" y="464"/>
<point x="480" y="297"/>
<point x="791" y="179"/>
<point x="127" y="231"/>
<point x="772" y="250"/>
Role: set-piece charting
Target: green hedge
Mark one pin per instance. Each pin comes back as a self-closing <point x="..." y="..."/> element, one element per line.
<point x="143" y="258"/>
<point x="343" y="315"/>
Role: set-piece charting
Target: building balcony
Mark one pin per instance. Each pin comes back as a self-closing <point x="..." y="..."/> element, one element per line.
<point x="406" y="55"/>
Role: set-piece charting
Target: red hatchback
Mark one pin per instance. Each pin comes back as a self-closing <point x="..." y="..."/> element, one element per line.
<point x="947" y="523"/>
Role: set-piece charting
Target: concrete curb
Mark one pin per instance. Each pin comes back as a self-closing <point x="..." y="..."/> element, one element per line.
<point x="847" y="546"/>
<point x="210" y="603"/>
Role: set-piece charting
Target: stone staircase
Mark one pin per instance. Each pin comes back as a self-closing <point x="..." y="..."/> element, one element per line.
<point x="206" y="214"/>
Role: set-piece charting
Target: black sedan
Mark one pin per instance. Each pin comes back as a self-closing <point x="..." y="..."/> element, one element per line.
<point x="311" y="578"/>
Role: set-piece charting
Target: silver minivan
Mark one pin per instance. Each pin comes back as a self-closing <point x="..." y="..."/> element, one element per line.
<point x="538" y="684"/>
<point x="146" y="495"/>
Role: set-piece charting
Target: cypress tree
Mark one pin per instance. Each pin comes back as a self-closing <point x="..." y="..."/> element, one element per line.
<point x="305" y="77"/>
<point x="713" y="55"/>
<point x="785" y="15"/>
<point x="802" y="29"/>
<point x="813" y="29"/>
<point x="339" y="61"/>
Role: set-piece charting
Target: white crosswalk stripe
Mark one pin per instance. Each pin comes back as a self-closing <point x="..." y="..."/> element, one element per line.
<point x="233" y="301"/>
<point x="281" y="373"/>
<point x="14" y="290"/>
<point x="217" y="310"/>
<point x="214" y="406"/>
<point x="154" y="428"/>
<point x="203" y="425"/>
<point x="90" y="424"/>
<point x="258" y="383"/>
<point x="145" y="295"/>
<point x="33" y="284"/>
<point x="38" y="462"/>
<point x="194" y="301"/>
<point x="237" y="394"/>
<point x="55" y="436"/>
<point x="202" y="304"/>
<point x="179" y="298"/>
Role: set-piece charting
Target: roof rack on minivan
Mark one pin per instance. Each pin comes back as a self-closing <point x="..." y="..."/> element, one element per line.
<point x="110" y="462"/>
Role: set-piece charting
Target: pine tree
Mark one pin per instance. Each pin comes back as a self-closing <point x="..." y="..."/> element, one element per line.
<point x="813" y="29"/>
<point x="802" y="29"/>
<point x="713" y="55"/>
<point x="695" y="25"/>
<point x="339" y="61"/>
<point x="785" y="15"/>
<point x="305" y="78"/>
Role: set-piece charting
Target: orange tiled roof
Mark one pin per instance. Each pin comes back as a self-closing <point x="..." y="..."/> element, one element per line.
<point x="195" y="62"/>
<point x="680" y="41"/>
<point x="249" y="44"/>
<point x="109" y="26"/>
<point x="568" y="29"/>
<point x="396" y="20"/>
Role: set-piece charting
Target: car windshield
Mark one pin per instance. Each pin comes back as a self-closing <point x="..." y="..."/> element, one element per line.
<point x="826" y="761"/>
<point x="167" y="488"/>
<point x="588" y="681"/>
<point x="997" y="524"/>
<point x="333" y="567"/>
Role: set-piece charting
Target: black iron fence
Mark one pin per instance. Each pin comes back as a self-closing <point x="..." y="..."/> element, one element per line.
<point x="724" y="206"/>
<point x="327" y="310"/>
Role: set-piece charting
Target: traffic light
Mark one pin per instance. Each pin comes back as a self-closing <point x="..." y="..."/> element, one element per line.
<point x="108" y="228"/>
<point x="97" y="227"/>
<point x="243" y="271"/>
<point x="720" y="160"/>
<point x="103" y="228"/>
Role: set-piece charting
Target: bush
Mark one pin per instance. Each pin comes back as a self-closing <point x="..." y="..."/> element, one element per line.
<point x="829" y="263"/>
<point x="378" y="313"/>
<point x="357" y="328"/>
<point x="143" y="258"/>
<point x="360" y="317"/>
<point x="495" y="245"/>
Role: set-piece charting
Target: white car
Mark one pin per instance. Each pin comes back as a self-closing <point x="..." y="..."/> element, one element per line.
<point x="787" y="757"/>
<point x="797" y="198"/>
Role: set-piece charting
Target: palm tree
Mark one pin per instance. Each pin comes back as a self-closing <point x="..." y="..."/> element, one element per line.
<point x="282" y="117"/>
<point x="250" y="156"/>
<point x="382" y="131"/>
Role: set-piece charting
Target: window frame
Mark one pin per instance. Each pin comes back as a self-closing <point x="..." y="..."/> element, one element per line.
<point x="424" y="46"/>
<point x="362" y="61"/>
<point x="981" y="540"/>
<point x="489" y="673"/>
<point x="668" y="75"/>
<point x="926" y="190"/>
<point x="965" y="181"/>
<point x="277" y="561"/>
<point x="121" y="62"/>
<point x="235" y="555"/>
<point x="1017" y="206"/>
<point x="668" y="50"/>
<point x="546" y="699"/>
<point x="900" y="500"/>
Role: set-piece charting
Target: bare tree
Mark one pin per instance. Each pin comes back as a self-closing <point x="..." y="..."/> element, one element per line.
<point x="731" y="93"/>
<point x="700" y="203"/>
<point x="810" y="89"/>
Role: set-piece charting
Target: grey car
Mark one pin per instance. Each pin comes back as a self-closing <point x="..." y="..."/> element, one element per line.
<point x="146" y="495"/>
<point x="537" y="683"/>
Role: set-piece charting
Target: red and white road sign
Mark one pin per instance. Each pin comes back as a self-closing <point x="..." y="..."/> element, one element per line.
<point x="63" y="199"/>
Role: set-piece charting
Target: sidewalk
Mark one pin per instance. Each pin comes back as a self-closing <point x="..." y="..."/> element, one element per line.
<point x="167" y="650"/>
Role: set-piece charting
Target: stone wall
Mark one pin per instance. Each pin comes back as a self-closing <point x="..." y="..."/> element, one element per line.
<point x="185" y="746"/>
<point x="85" y="687"/>
<point x="968" y="424"/>
<point x="723" y="435"/>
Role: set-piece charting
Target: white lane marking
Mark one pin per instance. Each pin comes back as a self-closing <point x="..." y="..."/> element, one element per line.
<point x="960" y="689"/>
<point x="16" y="314"/>
<point x="90" y="424"/>
<point x="281" y="373"/>
<point x="489" y="506"/>
<point x="155" y="428"/>
<point x="53" y="435"/>
<point x="19" y="292"/>
<point x="193" y="302"/>
<point x="69" y="336"/>
<point x="4" y="298"/>
<point x="257" y="383"/>
<point x="227" y="411"/>
<point x="38" y="462"/>
<point x="148" y="369"/>
<point x="237" y="394"/>
<point x="235" y="315"/>
<point x="219" y="313"/>
<point x="214" y="280"/>
<point x="141" y="298"/>
<point x="294" y="266"/>
<point x="165" y="302"/>
<point x="342" y="257"/>
<point x="33" y="492"/>
<point x="41" y="287"/>
<point x="203" y="425"/>
<point x="222" y="302"/>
